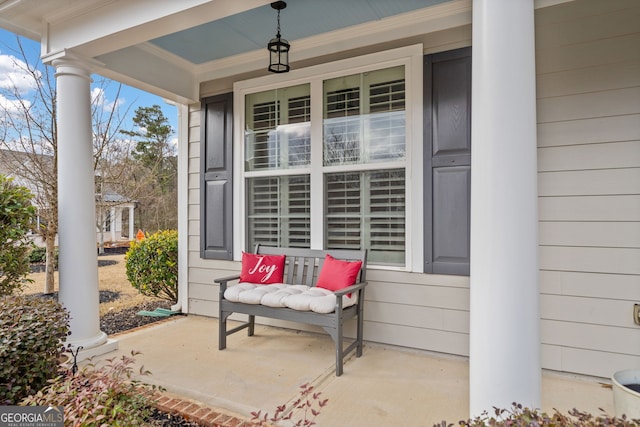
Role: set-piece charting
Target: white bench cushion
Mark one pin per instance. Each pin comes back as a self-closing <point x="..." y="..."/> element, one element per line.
<point x="232" y="293"/>
<point x="296" y="297"/>
<point x="277" y="298"/>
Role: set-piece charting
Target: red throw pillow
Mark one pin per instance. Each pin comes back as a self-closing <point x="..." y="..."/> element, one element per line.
<point x="337" y="274"/>
<point x="262" y="269"/>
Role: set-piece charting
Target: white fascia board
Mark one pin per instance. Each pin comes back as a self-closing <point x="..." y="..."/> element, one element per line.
<point x="24" y="31"/>
<point x="117" y="24"/>
<point x="141" y="68"/>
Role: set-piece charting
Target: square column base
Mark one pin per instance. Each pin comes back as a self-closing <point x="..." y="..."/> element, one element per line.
<point x="109" y="346"/>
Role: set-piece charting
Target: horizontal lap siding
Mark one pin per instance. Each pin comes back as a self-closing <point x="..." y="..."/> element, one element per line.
<point x="588" y="86"/>
<point x="589" y="185"/>
<point x="428" y="312"/>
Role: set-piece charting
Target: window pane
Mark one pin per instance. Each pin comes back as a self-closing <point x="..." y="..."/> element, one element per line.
<point x="277" y="129"/>
<point x="367" y="210"/>
<point x="278" y="211"/>
<point x="386" y="222"/>
<point x="343" y="211"/>
<point x="364" y="117"/>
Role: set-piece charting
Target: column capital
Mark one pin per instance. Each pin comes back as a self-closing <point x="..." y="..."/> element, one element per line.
<point x="68" y="62"/>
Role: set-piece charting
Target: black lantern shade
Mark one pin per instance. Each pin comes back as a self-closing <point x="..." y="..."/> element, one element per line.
<point x="278" y="47"/>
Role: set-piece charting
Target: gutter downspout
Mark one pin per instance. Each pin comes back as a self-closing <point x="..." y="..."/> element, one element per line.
<point x="183" y="209"/>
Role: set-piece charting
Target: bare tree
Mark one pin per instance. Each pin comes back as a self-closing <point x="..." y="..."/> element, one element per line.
<point x="28" y="112"/>
<point x="30" y="142"/>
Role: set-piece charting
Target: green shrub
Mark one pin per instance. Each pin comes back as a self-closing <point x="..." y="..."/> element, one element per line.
<point x="32" y="331"/>
<point x="38" y="255"/>
<point x="16" y="216"/>
<point x="519" y="416"/>
<point x="104" y="396"/>
<point x="152" y="265"/>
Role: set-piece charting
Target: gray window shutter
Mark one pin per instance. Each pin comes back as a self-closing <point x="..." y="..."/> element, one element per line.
<point x="447" y="173"/>
<point x="216" y="175"/>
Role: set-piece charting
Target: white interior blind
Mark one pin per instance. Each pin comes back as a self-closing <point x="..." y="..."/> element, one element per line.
<point x="279" y="211"/>
<point x="298" y="132"/>
<point x="342" y="127"/>
<point x="262" y="150"/>
<point x="386" y="216"/>
<point x="277" y="129"/>
<point x="264" y="207"/>
<point x="367" y="209"/>
<point x="386" y="121"/>
<point x="343" y="219"/>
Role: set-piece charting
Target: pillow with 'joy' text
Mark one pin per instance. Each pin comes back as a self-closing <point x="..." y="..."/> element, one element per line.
<point x="262" y="269"/>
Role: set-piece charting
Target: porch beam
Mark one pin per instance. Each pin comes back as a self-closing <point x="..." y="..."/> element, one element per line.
<point x="97" y="29"/>
<point x="504" y="331"/>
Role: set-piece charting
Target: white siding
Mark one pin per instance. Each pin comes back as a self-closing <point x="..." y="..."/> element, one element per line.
<point x="588" y="65"/>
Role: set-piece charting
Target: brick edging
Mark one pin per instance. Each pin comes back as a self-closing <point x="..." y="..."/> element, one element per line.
<point x="198" y="413"/>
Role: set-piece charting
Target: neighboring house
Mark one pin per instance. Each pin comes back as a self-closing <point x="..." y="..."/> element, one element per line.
<point x="118" y="217"/>
<point x="504" y="226"/>
<point x="115" y="210"/>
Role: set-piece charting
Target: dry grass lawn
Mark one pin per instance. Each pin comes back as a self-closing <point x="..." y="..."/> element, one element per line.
<point x="111" y="277"/>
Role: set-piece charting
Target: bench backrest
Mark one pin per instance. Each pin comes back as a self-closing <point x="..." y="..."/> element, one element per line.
<point x="303" y="265"/>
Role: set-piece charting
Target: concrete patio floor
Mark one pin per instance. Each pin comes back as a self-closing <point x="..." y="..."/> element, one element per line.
<point x="387" y="386"/>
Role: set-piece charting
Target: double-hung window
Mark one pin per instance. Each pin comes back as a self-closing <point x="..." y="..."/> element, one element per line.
<point x="325" y="161"/>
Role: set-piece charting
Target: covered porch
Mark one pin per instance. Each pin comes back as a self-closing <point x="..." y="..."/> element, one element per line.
<point x="389" y="386"/>
<point x="548" y="201"/>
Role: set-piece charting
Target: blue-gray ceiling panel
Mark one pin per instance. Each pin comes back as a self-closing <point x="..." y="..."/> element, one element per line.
<point x="252" y="29"/>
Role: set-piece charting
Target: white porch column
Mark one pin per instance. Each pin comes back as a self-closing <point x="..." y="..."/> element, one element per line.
<point x="504" y="331"/>
<point x="114" y="224"/>
<point x="131" y="234"/>
<point x="78" y="265"/>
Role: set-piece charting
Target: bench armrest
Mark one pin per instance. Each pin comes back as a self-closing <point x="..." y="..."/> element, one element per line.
<point x="227" y="278"/>
<point x="223" y="282"/>
<point x="350" y="289"/>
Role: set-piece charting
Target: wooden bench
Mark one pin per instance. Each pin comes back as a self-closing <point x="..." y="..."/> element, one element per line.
<point x="302" y="267"/>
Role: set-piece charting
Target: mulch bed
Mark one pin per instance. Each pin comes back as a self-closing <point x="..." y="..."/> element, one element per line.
<point x="38" y="267"/>
<point x="163" y="419"/>
<point x="124" y="320"/>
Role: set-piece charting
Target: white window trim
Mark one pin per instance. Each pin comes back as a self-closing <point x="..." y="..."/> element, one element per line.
<point x="412" y="58"/>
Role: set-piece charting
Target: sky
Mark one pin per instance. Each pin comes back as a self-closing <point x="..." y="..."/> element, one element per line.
<point x="130" y="98"/>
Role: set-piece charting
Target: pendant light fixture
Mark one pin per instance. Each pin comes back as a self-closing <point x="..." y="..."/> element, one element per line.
<point x="278" y="47"/>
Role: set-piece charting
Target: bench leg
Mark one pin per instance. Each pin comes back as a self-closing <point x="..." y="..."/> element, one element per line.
<point x="252" y="324"/>
<point x="222" y="331"/>
<point x="339" y="355"/>
<point x="359" y="335"/>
